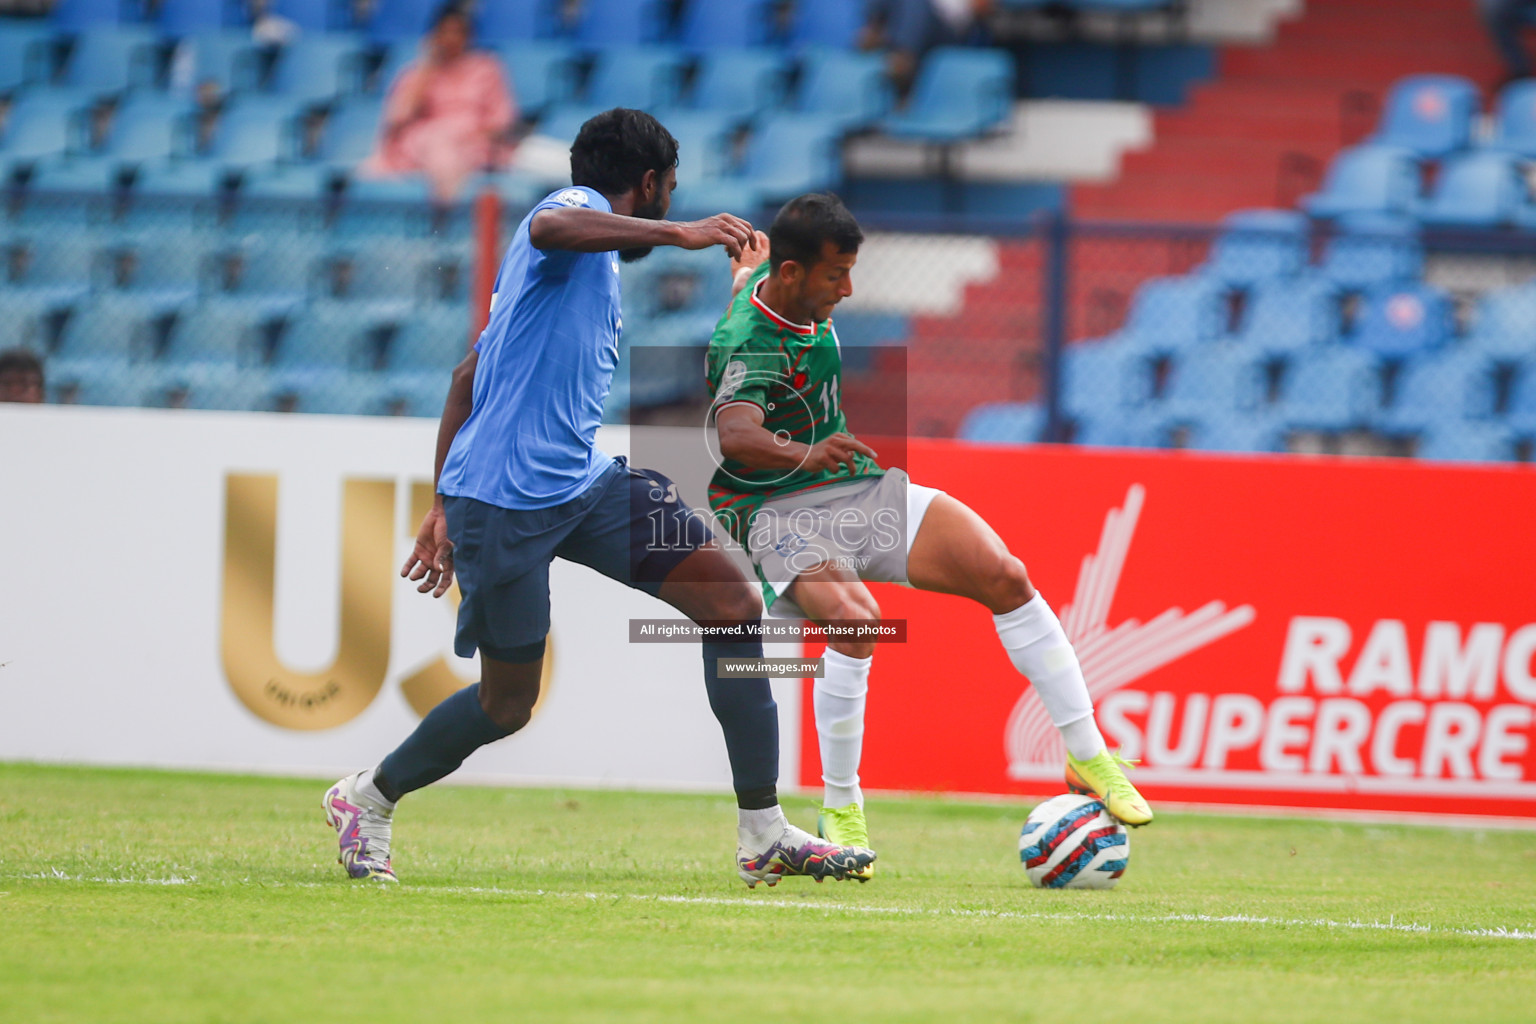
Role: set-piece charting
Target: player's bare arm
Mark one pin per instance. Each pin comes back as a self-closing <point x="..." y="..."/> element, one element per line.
<point x="744" y="438"/>
<point x="579" y="229"/>
<point x="431" y="561"/>
<point x="749" y="259"/>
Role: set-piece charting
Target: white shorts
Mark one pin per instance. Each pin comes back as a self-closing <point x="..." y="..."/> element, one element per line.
<point x="866" y="527"/>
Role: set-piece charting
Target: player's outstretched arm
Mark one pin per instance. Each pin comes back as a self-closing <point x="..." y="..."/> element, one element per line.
<point x="431" y="560"/>
<point x="578" y="229"/>
<point x="750" y="258"/>
<point x="744" y="439"/>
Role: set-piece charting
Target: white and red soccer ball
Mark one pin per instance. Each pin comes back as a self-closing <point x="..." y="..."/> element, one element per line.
<point x="1071" y="842"/>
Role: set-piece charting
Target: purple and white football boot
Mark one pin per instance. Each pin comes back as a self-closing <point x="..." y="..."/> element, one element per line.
<point x="797" y="852"/>
<point x="362" y="829"/>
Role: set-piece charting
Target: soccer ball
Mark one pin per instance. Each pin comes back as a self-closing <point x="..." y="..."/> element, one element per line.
<point x="1071" y="842"/>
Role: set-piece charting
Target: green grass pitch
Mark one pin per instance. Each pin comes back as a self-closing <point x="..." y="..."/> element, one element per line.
<point x="172" y="897"/>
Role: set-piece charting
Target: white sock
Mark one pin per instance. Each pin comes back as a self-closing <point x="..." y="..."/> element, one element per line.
<point x="366" y="787"/>
<point x="1038" y="648"/>
<point x="757" y="830"/>
<point x="838" y="699"/>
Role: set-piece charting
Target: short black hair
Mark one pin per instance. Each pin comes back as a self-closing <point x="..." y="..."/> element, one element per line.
<point x="451" y="9"/>
<point x="20" y="360"/>
<point x="805" y="223"/>
<point x="613" y="150"/>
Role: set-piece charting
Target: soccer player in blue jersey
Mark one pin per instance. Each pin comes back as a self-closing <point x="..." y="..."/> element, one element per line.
<point x="520" y="482"/>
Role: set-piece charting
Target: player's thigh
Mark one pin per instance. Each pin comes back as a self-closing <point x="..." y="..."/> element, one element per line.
<point x="829" y="591"/>
<point x="503" y="585"/>
<point x="957" y="552"/>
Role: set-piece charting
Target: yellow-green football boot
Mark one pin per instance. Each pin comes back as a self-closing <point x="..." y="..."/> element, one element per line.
<point x="1102" y="776"/>
<point x="846" y="826"/>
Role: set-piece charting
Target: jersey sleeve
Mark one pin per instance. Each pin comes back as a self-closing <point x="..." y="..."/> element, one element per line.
<point x="555" y="262"/>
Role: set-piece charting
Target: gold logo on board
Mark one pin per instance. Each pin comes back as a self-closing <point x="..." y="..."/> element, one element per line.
<point x="343" y="690"/>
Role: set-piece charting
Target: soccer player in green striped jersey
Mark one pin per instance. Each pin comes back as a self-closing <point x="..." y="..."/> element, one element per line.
<point x="820" y="517"/>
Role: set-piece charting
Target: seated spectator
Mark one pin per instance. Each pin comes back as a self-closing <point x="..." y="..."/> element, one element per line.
<point x="908" y="29"/>
<point x="448" y="114"/>
<point x="21" y="376"/>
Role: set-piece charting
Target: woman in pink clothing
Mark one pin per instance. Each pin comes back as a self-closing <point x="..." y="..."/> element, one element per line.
<point x="448" y="114"/>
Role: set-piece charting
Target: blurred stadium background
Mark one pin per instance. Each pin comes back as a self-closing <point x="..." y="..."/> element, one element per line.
<point x="1145" y="223"/>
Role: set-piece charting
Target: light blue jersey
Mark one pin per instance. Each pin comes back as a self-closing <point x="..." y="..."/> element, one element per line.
<point x="546" y="363"/>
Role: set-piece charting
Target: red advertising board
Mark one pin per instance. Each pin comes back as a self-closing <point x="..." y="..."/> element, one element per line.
<point x="1266" y="631"/>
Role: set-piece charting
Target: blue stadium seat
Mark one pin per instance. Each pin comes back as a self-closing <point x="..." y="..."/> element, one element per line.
<point x="324" y="335"/>
<point x="1505" y="323"/>
<point x="1256" y="245"/>
<point x="109" y="61"/>
<point x="211" y="387"/>
<point x="1483" y="188"/>
<point x="350" y="133"/>
<point x="431" y="341"/>
<point x="1467" y="442"/>
<point x="1521" y="414"/>
<point x="99" y="382"/>
<point x="313" y="15"/>
<point x="221" y="57"/>
<point x="1103" y="377"/>
<point x="1120" y="428"/>
<point x="1173" y="313"/>
<point x="251" y="135"/>
<point x="1366" y="179"/>
<point x="1004" y="423"/>
<point x="740" y="84"/>
<point x="646" y="77"/>
<point x="1437" y="387"/>
<point x="79" y="15"/>
<point x="1430" y="115"/>
<point x="1332" y="388"/>
<point x="541" y="73"/>
<point x="164" y="268"/>
<point x="25" y="53"/>
<point x="403" y="21"/>
<point x="184" y="17"/>
<point x="1284" y="316"/>
<point x="1220" y="379"/>
<point x="273" y="272"/>
<point x="789" y="154"/>
<point x="702" y="150"/>
<point x="849" y="89"/>
<point x="828" y="24"/>
<point x="1514" y="119"/>
<point x="1252" y="432"/>
<point x="1404" y="321"/>
<point x="218" y="333"/>
<point x="41" y="125"/>
<point x="608" y="23"/>
<point x="506" y="21"/>
<point x="709" y="25"/>
<point x="107" y="331"/>
<point x="959" y="94"/>
<point x="1373" y="249"/>
<point x="316" y="69"/>
<point x="148" y="128"/>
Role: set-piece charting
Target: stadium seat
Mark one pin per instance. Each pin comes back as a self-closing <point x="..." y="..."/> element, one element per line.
<point x="218" y="333"/>
<point x="312" y="16"/>
<point x="1404" y="321"/>
<point x="80" y="15"/>
<point x="184" y="17"/>
<point x="1284" y="316"/>
<point x="1373" y="249"/>
<point x="25" y="54"/>
<point x="1483" y="188"/>
<point x="1366" y="179"/>
<point x="541" y="73"/>
<point x="220" y="57"/>
<point x="1252" y="432"/>
<point x="402" y="21"/>
<point x="41" y="125"/>
<point x="1004" y="423"/>
<point x="959" y="94"/>
<point x="316" y="69"/>
<point x="709" y="25"/>
<point x="1214" y="380"/>
<point x="609" y="23"/>
<point x="702" y="150"/>
<point x="148" y="128"/>
<point x="350" y="133"/>
<point x="1430" y="115"/>
<point x="109" y="331"/>
<point x="272" y="272"/>
<point x="1103" y="377"/>
<point x="1173" y="313"/>
<point x="109" y="61"/>
<point x="1504" y="323"/>
<point x="99" y="382"/>
<point x="165" y="267"/>
<point x="1437" y="387"/>
<point x="1256" y="245"/>
<point x="1467" y="442"/>
<point x="740" y="84"/>
<point x="1521" y="414"/>
<point x="430" y="341"/>
<point x="1514" y="120"/>
<point x="789" y="154"/>
<point x="515" y="20"/>
<point x="850" y="90"/>
<point x="324" y="335"/>
<point x="1332" y="388"/>
<point x="827" y="24"/>
<point x="1119" y="428"/>
<point x="646" y="77"/>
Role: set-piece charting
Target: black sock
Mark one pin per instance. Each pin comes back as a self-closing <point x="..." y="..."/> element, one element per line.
<point x="750" y="720"/>
<point x="451" y="732"/>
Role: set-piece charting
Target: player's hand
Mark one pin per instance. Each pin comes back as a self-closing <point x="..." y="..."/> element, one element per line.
<point x="832" y="453"/>
<point x="721" y="229"/>
<point x="751" y="255"/>
<point x="431" y="561"/>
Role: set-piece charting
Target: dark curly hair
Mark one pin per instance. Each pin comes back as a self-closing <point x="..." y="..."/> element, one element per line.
<point x="613" y="150"/>
<point x="805" y="222"/>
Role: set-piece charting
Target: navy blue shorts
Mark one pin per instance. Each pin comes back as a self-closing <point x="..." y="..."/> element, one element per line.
<point x="630" y="525"/>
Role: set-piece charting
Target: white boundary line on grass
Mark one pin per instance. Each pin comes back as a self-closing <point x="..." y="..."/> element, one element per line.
<point x="1525" y="934"/>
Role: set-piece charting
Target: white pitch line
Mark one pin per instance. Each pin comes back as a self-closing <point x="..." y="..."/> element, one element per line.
<point x="1498" y="932"/>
